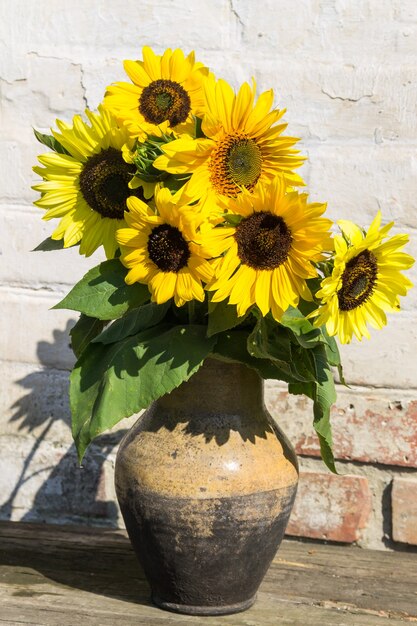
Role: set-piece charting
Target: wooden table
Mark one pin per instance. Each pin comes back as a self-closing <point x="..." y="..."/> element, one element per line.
<point x="78" y="577"/>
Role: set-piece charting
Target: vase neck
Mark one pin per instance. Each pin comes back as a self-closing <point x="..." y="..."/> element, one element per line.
<point x="219" y="386"/>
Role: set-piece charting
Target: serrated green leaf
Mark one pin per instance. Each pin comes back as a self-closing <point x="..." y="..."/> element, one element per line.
<point x="222" y="316"/>
<point x="232" y="219"/>
<point x="324" y="395"/>
<point x="331" y="347"/>
<point x="304" y="332"/>
<point x="296" y="321"/>
<point x="50" y="244"/>
<point x="133" y="322"/>
<point x="302" y="389"/>
<point x="232" y="346"/>
<point x="268" y="340"/>
<point x="113" y="381"/>
<point x="302" y="365"/>
<point x="333" y="355"/>
<point x="103" y="293"/>
<point x="174" y="183"/>
<point x="198" y="128"/>
<point x="50" y="142"/>
<point x="83" y="332"/>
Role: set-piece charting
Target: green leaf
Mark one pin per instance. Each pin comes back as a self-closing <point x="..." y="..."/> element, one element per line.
<point x="49" y="244"/>
<point x="324" y="395"/>
<point x="50" y="142"/>
<point x="333" y="354"/>
<point x="296" y="321"/>
<point x="113" y="381"/>
<point x="302" y="365"/>
<point x="222" y="316"/>
<point x="133" y="322"/>
<point x="233" y="220"/>
<point x="304" y="332"/>
<point x="103" y="293"/>
<point x="174" y="183"/>
<point x="332" y="350"/>
<point x="232" y="346"/>
<point x="198" y="130"/>
<point x="268" y="340"/>
<point x="83" y="332"/>
<point x="302" y="389"/>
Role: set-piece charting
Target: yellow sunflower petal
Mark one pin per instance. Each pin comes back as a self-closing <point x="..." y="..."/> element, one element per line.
<point x="263" y="290"/>
<point x="366" y="281"/>
<point x="244" y="147"/>
<point x="74" y="184"/>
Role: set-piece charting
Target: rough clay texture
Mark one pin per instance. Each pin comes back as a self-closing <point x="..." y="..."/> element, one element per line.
<point x="346" y="72"/>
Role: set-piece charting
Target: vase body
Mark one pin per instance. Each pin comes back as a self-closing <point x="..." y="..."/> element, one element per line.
<point x="206" y="483"/>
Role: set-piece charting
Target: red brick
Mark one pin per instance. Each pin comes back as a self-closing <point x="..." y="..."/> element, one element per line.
<point x="404" y="510"/>
<point x="330" y="507"/>
<point x="367" y="427"/>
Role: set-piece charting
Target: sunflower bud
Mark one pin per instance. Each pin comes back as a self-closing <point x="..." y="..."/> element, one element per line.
<point x="145" y="155"/>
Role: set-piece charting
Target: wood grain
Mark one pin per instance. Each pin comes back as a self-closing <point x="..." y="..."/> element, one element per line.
<point x="53" y="575"/>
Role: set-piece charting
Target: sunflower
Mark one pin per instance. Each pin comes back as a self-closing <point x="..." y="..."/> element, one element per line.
<point x="165" y="94"/>
<point x="266" y="258"/>
<point x="160" y="250"/>
<point x="366" y="280"/>
<point x="243" y="145"/>
<point x="88" y="186"/>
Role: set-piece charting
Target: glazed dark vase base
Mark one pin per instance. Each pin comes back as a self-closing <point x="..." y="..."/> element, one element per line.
<point x="203" y="610"/>
<point x="206" y="556"/>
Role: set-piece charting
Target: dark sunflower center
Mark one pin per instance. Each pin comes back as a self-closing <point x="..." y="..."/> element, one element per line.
<point x="235" y="162"/>
<point x="104" y="183"/>
<point x="263" y="241"/>
<point x="358" y="281"/>
<point x="164" y="100"/>
<point x="167" y="248"/>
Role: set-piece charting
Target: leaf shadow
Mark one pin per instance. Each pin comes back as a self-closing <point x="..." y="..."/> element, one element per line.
<point x="49" y="476"/>
<point x="214" y="426"/>
<point x="203" y="409"/>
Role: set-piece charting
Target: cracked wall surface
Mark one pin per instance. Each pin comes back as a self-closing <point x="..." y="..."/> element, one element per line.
<point x="346" y="72"/>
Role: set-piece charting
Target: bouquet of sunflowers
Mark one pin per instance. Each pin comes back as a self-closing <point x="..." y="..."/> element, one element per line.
<point x="211" y="248"/>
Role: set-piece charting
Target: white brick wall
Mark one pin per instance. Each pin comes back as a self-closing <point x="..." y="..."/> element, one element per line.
<point x="346" y="71"/>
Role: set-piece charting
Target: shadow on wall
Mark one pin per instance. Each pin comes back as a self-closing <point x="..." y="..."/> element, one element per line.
<point x="69" y="494"/>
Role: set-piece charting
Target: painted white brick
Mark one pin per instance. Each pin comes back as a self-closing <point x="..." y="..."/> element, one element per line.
<point x="337" y="30"/>
<point x="31" y="333"/>
<point x="36" y="101"/>
<point x="357" y="181"/>
<point x="15" y="171"/>
<point x="117" y="29"/>
<point x="388" y="358"/>
<point x="66" y="92"/>
<point x="22" y="230"/>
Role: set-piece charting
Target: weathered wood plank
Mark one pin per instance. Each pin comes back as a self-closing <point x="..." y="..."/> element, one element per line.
<point x="268" y="611"/>
<point x="55" y="575"/>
